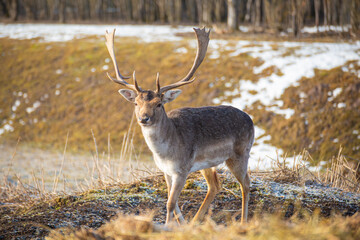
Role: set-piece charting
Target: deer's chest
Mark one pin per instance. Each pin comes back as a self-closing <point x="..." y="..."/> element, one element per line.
<point x="162" y="152"/>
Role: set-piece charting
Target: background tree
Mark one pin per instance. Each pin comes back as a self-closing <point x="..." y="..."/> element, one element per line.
<point x="232" y="17"/>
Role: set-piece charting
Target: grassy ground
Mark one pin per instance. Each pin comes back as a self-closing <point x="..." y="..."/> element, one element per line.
<point x="279" y="205"/>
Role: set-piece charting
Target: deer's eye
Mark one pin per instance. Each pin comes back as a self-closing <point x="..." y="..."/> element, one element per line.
<point x="159" y="105"/>
<point x="135" y="104"/>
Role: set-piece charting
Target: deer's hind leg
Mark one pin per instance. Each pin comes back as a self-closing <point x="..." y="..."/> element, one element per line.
<point x="214" y="186"/>
<point x="238" y="167"/>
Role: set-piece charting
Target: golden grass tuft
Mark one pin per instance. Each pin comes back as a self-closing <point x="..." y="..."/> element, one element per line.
<point x="265" y="227"/>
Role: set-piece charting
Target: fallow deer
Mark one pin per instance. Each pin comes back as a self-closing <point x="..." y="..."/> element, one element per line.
<point x="186" y="140"/>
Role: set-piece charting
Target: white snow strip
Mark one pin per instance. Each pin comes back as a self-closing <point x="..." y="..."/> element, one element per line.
<point x="345" y="28"/>
<point x="67" y="32"/>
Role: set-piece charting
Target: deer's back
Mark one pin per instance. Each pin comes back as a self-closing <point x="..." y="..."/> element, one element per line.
<point x="212" y="124"/>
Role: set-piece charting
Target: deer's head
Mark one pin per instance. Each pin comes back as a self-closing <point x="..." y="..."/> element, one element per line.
<point x="148" y="103"/>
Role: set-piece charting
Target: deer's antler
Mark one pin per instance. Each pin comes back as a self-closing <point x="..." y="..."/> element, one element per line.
<point x="203" y="40"/>
<point x="119" y="78"/>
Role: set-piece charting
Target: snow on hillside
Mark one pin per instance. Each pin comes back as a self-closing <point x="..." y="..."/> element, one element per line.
<point x="301" y="62"/>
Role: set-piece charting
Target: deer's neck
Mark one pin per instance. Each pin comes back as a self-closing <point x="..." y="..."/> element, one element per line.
<point x="159" y="136"/>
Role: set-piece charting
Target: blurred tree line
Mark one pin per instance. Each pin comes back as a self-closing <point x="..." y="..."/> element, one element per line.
<point x="273" y="15"/>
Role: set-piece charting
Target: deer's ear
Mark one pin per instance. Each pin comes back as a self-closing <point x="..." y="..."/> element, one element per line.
<point x="171" y="95"/>
<point x="128" y="94"/>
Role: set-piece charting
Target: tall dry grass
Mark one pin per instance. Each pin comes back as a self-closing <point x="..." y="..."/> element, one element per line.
<point x="104" y="169"/>
<point x="342" y="174"/>
<point x="339" y="174"/>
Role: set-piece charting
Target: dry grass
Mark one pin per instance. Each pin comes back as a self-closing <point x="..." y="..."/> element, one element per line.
<point x="266" y="227"/>
<point x="105" y="171"/>
<point x="340" y="174"/>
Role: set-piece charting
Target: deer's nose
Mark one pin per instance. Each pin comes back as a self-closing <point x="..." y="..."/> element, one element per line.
<point x="144" y="119"/>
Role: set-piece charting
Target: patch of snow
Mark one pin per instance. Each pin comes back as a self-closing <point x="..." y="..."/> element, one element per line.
<point x="58" y="85"/>
<point x="344" y="69"/>
<point x="57" y="92"/>
<point x="355" y="132"/>
<point x="25" y="95"/>
<point x="341" y="105"/>
<point x="215" y="45"/>
<point x="93" y="70"/>
<point x="263" y="155"/>
<point x="105" y="67"/>
<point x="67" y="32"/>
<point x="214" y="54"/>
<point x="6" y="128"/>
<point x="107" y="60"/>
<point x="302" y="96"/>
<point x="20" y="94"/>
<point x="243" y="29"/>
<point x="181" y="50"/>
<point x="77" y="79"/>
<point x="58" y="71"/>
<point x="33" y="108"/>
<point x="22" y="122"/>
<point x="345" y="28"/>
<point x="16" y="105"/>
<point x="333" y="94"/>
<point x="302" y="63"/>
<point x="287" y="112"/>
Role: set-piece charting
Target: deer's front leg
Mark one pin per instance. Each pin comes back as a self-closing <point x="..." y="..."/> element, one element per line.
<point x="177" y="184"/>
<point x="177" y="211"/>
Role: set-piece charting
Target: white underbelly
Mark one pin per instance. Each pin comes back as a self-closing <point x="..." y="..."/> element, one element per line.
<point x="208" y="163"/>
<point x="213" y="155"/>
